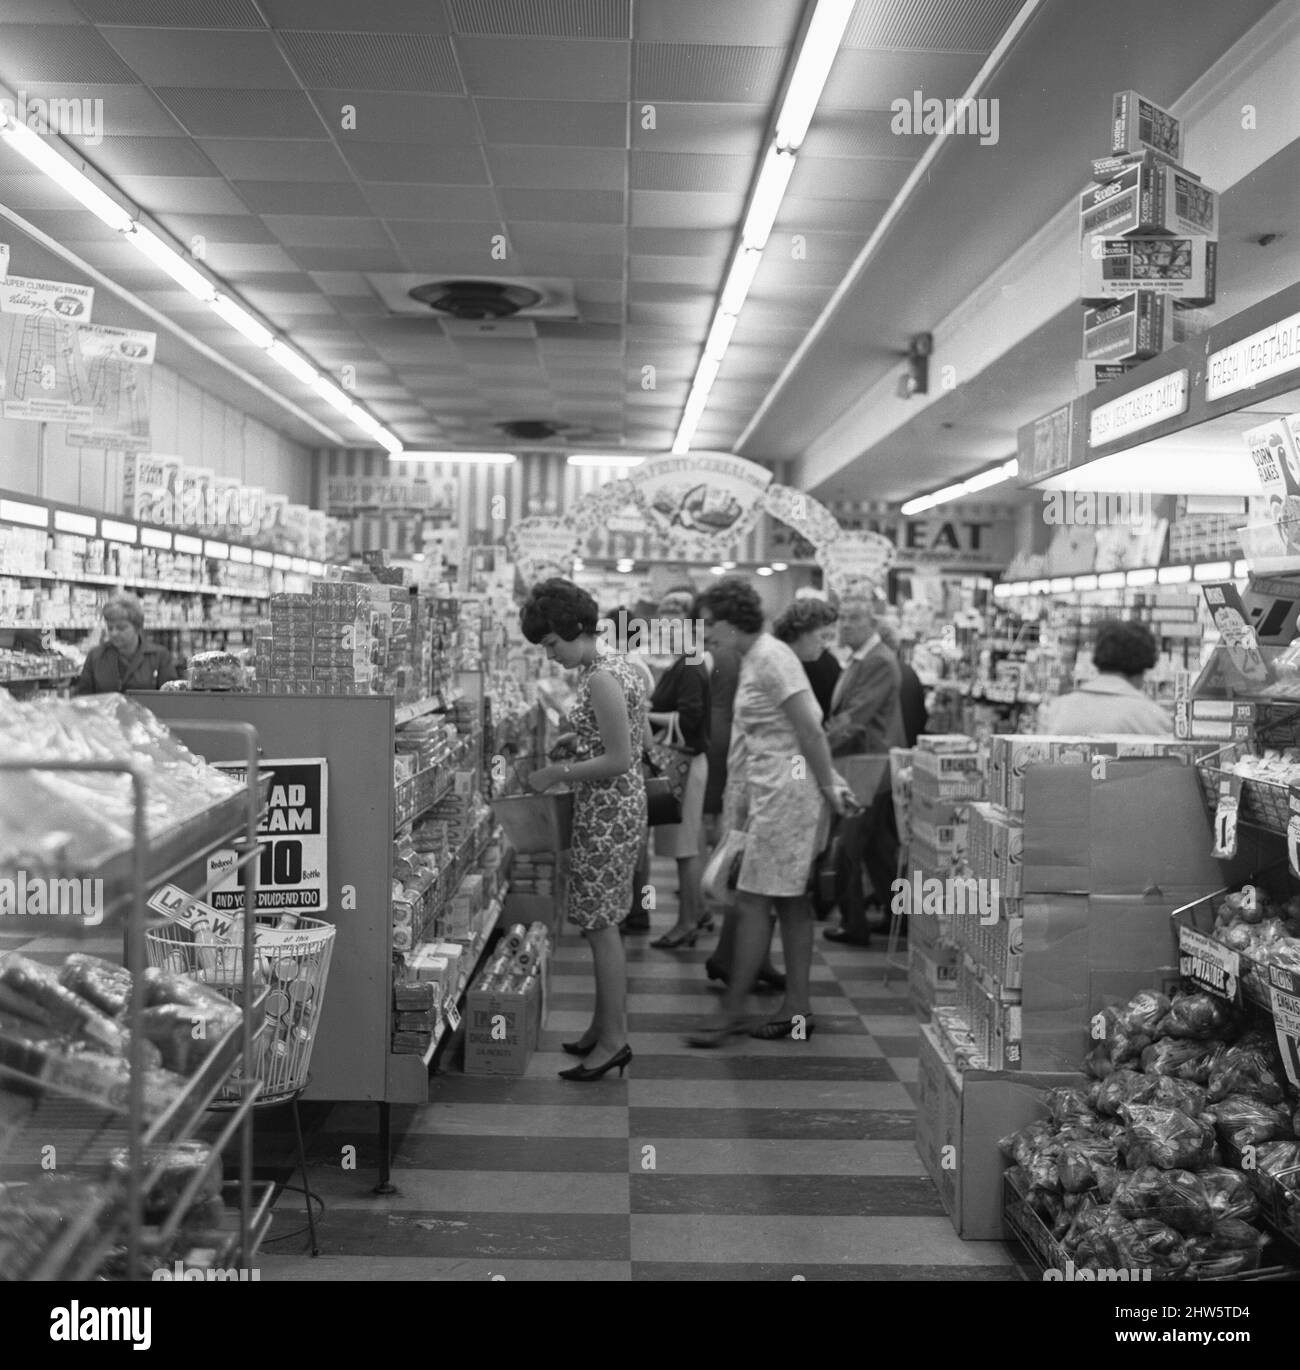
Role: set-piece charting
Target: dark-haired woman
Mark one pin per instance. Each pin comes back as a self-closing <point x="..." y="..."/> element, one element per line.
<point x="1112" y="702"/>
<point x="609" y="807"/>
<point x="782" y="796"/>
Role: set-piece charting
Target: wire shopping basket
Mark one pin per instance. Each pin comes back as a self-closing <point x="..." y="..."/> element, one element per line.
<point x="291" y="969"/>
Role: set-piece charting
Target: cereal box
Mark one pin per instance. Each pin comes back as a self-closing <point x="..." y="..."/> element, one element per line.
<point x="1130" y="329"/>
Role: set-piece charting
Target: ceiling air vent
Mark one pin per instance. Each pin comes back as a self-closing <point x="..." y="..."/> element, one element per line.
<point x="469" y="300"/>
<point x="476" y="299"/>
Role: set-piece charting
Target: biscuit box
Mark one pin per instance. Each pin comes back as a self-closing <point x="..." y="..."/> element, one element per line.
<point x="1130" y="329"/>
<point x="1184" y="268"/>
<point x="1138" y="123"/>
<point x="1149" y="198"/>
<point x="1103" y="169"/>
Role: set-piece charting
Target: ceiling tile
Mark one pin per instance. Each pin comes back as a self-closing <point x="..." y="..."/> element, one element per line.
<point x="242" y="59"/>
<point x="667" y="209"/>
<point x="127" y="111"/>
<point x="421" y="62"/>
<point x="597" y="311"/>
<point x="182" y="194"/>
<point x="400" y="117"/>
<point x="781" y="271"/>
<point x="599" y="292"/>
<point x="684" y="71"/>
<point x="217" y="228"/>
<point x="434" y="203"/>
<point x="237" y="260"/>
<point x="397" y="16"/>
<point x="554" y="123"/>
<point x="176" y="156"/>
<point x="696" y="271"/>
<point x="689" y="317"/>
<point x="564" y="206"/>
<point x="60" y="54"/>
<point x="302" y="197"/>
<point x="425" y="164"/>
<point x="281" y="159"/>
<point x="555" y="330"/>
<point x="830" y="216"/>
<point x="859" y="133"/>
<point x="359" y="257"/>
<point x="467" y="237"/>
<point x="341" y="283"/>
<point x="769" y="23"/>
<point x="680" y="242"/>
<point x="674" y="171"/>
<point x="532" y="69"/>
<point x="310" y="230"/>
<point x="597" y="267"/>
<point x="42" y="12"/>
<point x="176" y="302"/>
<point x="948" y="25"/>
<point x="29" y="190"/>
<point x="556" y="169"/>
<point x="576" y="239"/>
<point x="873" y="80"/>
<point x="667" y="292"/>
<point x="200" y="14"/>
<point x="848" y="178"/>
<point x="242" y="113"/>
<point x="585" y="19"/>
<point x="359" y="306"/>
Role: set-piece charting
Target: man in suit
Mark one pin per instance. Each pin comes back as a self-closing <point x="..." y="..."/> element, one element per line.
<point x="911" y="692"/>
<point x="866" y="717"/>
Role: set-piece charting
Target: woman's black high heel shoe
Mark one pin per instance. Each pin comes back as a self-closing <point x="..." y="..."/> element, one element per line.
<point x="619" y="1059"/>
<point x="577" y="1049"/>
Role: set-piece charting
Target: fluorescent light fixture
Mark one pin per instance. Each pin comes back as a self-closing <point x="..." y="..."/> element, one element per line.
<point x="388" y="441"/>
<point x="1062" y="585"/>
<point x="167" y="259"/>
<point x="42" y="155"/>
<point x="1002" y="592"/>
<point x="67" y="522"/>
<point x="1177" y="465"/>
<point x="261" y="558"/>
<point x="994" y="476"/>
<point x="625" y="570"/>
<point x="298" y="564"/>
<point x="705" y="374"/>
<point x="1240" y="570"/>
<point x="595" y="459"/>
<point x="184" y="543"/>
<point x="779" y="566"/>
<point x="728" y="565"/>
<point x="1111" y="580"/>
<point x="292" y="362"/>
<point x="739" y="279"/>
<point x="317" y="568"/>
<point x="468" y="458"/>
<point x="765" y="203"/>
<point x="15" y="511"/>
<point x="156" y="537"/>
<point x="244" y="554"/>
<point x="724" y="325"/>
<point x="1085" y="582"/>
<point x="1040" y="587"/>
<point x="1146" y="576"/>
<point x="218" y="551"/>
<point x="282" y="562"/>
<point x="764" y="570"/>
<point x="340" y="399"/>
<point x="817" y="52"/>
<point x="1019" y="587"/>
<point x="366" y="422"/>
<point x="1212" y="570"/>
<point x="717" y="571"/>
<point x="1175" y="575"/>
<point x="923" y="502"/>
<point x="117" y="532"/>
<point x="243" y="322"/>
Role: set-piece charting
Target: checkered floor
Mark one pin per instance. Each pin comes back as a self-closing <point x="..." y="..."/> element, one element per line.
<point x="764" y="1160"/>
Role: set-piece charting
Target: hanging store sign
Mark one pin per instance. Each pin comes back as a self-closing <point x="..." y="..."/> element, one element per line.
<point x="61" y="299"/>
<point x="1273" y="351"/>
<point x="292" y="874"/>
<point x="433" y="498"/>
<point x="117" y="364"/>
<point x="542" y="547"/>
<point x="45" y="376"/>
<point x="1043" y="446"/>
<point x="1139" y="409"/>
<point x="855" y="560"/>
<point x="701" y="503"/>
<point x="809" y="518"/>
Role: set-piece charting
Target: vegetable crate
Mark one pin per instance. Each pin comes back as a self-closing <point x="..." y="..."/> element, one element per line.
<point x="1263" y="804"/>
<point x="291" y="966"/>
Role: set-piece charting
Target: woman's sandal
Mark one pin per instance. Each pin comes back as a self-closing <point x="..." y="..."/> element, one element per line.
<point x="784" y="1027"/>
<point x="710" y="1037"/>
<point x="669" y="942"/>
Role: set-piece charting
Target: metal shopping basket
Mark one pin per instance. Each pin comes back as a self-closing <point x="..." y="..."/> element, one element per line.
<point x="292" y="966"/>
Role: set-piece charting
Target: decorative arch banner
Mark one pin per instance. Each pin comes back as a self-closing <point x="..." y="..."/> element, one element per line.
<point x="542" y="546"/>
<point x="700" y="504"/>
<point x="809" y="517"/>
<point x="856" y="559"/>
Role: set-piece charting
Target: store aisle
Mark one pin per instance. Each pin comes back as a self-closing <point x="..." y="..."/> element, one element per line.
<point x="765" y="1160"/>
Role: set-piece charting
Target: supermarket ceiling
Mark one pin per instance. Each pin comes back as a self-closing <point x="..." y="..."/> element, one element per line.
<point x="316" y="147"/>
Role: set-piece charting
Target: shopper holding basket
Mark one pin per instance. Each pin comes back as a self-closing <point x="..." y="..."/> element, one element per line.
<point x="609" y="803"/>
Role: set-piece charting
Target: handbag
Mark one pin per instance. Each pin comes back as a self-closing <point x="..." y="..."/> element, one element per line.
<point x="722" y="870"/>
<point x="671" y="758"/>
<point x="662" y="805"/>
<point x="824" y="878"/>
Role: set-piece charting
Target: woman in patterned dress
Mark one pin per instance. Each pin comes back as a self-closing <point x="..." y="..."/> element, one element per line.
<point x="609" y="804"/>
<point x="782" y="794"/>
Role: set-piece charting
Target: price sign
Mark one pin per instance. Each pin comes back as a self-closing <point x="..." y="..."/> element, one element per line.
<point x="1211" y="965"/>
<point x="1293" y="830"/>
<point x="1225" y="817"/>
<point x="1286" y="1023"/>
<point x="464" y="784"/>
<point x="293" y="871"/>
<point x="453" y="1015"/>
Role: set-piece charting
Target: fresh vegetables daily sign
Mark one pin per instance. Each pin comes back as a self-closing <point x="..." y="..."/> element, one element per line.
<point x="292" y="875"/>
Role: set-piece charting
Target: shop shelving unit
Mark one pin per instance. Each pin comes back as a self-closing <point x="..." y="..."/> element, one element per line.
<point x="89" y="1132"/>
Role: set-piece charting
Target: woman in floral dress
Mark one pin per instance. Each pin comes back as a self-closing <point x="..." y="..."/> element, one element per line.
<point x="609" y="804"/>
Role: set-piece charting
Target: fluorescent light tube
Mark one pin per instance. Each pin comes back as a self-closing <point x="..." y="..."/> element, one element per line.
<point x="191" y="546"/>
<point x="366" y="422"/>
<point x="261" y="558"/>
<point x="996" y="476"/>
<point x="1213" y="570"/>
<point x="1085" y="582"/>
<point x="1146" y="576"/>
<point x="282" y="562"/>
<point x="779" y="566"/>
<point x="1062" y="585"/>
<point x="764" y="570"/>
<point x="595" y="459"/>
<point x="292" y="362"/>
<point x="1175" y="575"/>
<point x="117" y="532"/>
<point x="1111" y="580"/>
<point x="67" y="522"/>
<point x="40" y="154"/>
<point x="765" y="203"/>
<point x="244" y="554"/>
<point x="243" y="322"/>
<point x="169" y="260"/>
<point x="1002" y="592"/>
<point x="298" y="564"/>
<point x="705" y="374"/>
<point x="719" y="339"/>
<point x="219" y="551"/>
<point x="817" y="53"/>
<point x="386" y="440"/>
<point x="317" y="568"/>
<point x="15" y="511"/>
<point x="340" y="399"/>
<point x="739" y="279"/>
<point x="156" y="537"/>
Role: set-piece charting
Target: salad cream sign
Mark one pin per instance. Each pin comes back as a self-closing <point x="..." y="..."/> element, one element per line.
<point x="700" y="503"/>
